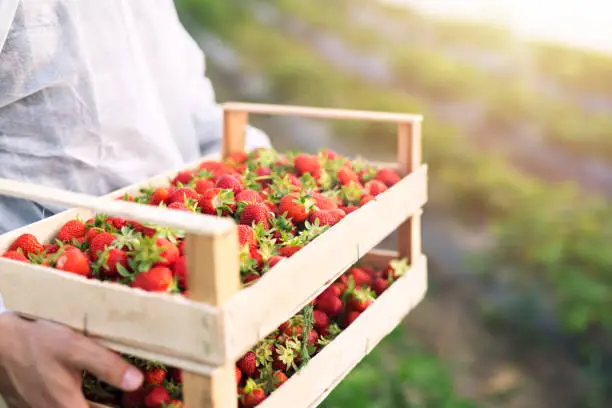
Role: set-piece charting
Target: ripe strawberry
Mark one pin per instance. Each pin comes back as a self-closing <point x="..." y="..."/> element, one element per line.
<point x="71" y="229"/>
<point x="321" y="321"/>
<point x="248" y="364"/>
<point x="15" y="256"/>
<point x="349" y="209"/>
<point x="170" y="252"/>
<point x="327" y="217"/>
<point x="184" y="177"/>
<point x="203" y="184"/>
<point x="160" y="195"/>
<point x="275" y="259"/>
<point x="246" y="236"/>
<point x="176" y="375"/>
<point x="179" y="270"/>
<point x="346" y="175"/>
<point x="74" y="261"/>
<point x="306" y="163"/>
<point x="330" y="305"/>
<point x="253" y="398"/>
<point x="329" y="154"/>
<point x="249" y="196"/>
<point x="50" y="248"/>
<point x="28" y="244"/>
<point x="181" y="248"/>
<point x="313" y="336"/>
<point x="250" y="279"/>
<point x="115" y="257"/>
<point x="350" y="318"/>
<point x="256" y="213"/>
<point x="366" y="199"/>
<point x="278" y="378"/>
<point x="133" y="399"/>
<point x="116" y="222"/>
<point x="380" y="285"/>
<point x="292" y="327"/>
<point x="323" y="202"/>
<point x="288" y="250"/>
<point x="375" y="187"/>
<point x="238" y="375"/>
<point x="228" y="182"/>
<point x="216" y="201"/>
<point x="156" y="279"/>
<point x="174" y="404"/>
<point x="155" y="375"/>
<point x="296" y="207"/>
<point x="237" y="157"/>
<point x="157" y="397"/>
<point x="360" y="277"/>
<point x="182" y="195"/>
<point x="360" y="300"/>
<point x="177" y="205"/>
<point x="91" y="234"/>
<point x="99" y="243"/>
<point x="387" y="176"/>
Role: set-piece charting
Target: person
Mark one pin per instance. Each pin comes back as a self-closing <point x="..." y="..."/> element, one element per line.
<point x="94" y="95"/>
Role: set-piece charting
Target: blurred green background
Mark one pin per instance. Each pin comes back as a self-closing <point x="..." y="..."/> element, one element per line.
<point x="518" y="228"/>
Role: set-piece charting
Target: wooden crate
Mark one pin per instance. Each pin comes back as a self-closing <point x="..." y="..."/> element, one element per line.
<point x="205" y="334"/>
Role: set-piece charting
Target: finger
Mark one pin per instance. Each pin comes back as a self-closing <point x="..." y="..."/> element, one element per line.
<point x="104" y="364"/>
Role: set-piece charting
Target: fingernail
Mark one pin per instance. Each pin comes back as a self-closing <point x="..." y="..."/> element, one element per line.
<point x="132" y="379"/>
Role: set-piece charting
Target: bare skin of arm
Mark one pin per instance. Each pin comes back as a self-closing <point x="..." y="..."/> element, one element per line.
<point x="41" y="364"/>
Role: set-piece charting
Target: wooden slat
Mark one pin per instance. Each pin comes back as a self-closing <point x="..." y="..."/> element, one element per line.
<point x="170" y="328"/>
<point x="234" y="131"/>
<point x="291" y="284"/>
<point x="186" y="221"/>
<point x="312" y="384"/>
<point x="324" y="113"/>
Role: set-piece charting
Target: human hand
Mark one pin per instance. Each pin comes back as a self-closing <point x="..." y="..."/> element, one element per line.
<point x="42" y="364"/>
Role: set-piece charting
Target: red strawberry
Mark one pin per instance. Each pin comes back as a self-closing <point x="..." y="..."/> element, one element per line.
<point x="306" y="163"/>
<point x="387" y="176"/>
<point x="366" y="199"/>
<point x="184" y="177"/>
<point x="360" y="300"/>
<point x="380" y="285"/>
<point x="91" y="234"/>
<point x="216" y="200"/>
<point x="296" y="207"/>
<point x="323" y="202"/>
<point x="256" y="213"/>
<point x="329" y="154"/>
<point x="116" y="222"/>
<point x="275" y="259"/>
<point x="74" y="261"/>
<point x="99" y="243"/>
<point x="228" y="182"/>
<point x="156" y="279"/>
<point x="246" y="236"/>
<point x="321" y="321"/>
<point x="176" y="375"/>
<point x="177" y="205"/>
<point x="115" y="257"/>
<point x="238" y="375"/>
<point x="288" y="251"/>
<point x="71" y="229"/>
<point x="15" y="256"/>
<point x="360" y="277"/>
<point x="350" y="318"/>
<point x="249" y="196"/>
<point x="133" y="399"/>
<point x="50" y="248"/>
<point x="253" y="398"/>
<point x="174" y="404"/>
<point x="313" y="336"/>
<point x="203" y="184"/>
<point x="248" y="364"/>
<point x="181" y="248"/>
<point x="182" y="195"/>
<point x="330" y="305"/>
<point x="180" y="271"/>
<point x="237" y="157"/>
<point x="349" y="209"/>
<point x="170" y="252"/>
<point x="375" y="187"/>
<point x="249" y="279"/>
<point x="327" y="217"/>
<point x="28" y="244"/>
<point x="157" y="397"/>
<point x="160" y="195"/>
<point x="155" y="376"/>
<point x="278" y="379"/>
<point x="346" y="175"/>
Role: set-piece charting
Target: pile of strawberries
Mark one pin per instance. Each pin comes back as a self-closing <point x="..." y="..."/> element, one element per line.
<point x="279" y="201"/>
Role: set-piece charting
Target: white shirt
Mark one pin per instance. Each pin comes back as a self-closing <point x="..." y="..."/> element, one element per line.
<point x="99" y="94"/>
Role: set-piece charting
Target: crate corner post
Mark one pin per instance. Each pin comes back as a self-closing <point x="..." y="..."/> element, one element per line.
<point x="213" y="276"/>
<point x="234" y="130"/>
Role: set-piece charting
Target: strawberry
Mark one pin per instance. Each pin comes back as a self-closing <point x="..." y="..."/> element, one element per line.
<point x="366" y="199"/>
<point x="360" y="277"/>
<point x="238" y="375"/>
<point x="176" y="375"/>
<point x="339" y="288"/>
<point x="252" y="395"/>
<point x="133" y="399"/>
<point x="396" y="268"/>
<point x="155" y="375"/>
<point x="275" y="259"/>
<point x="349" y="209"/>
<point x="71" y="230"/>
<point x="237" y="157"/>
<point x="116" y="222"/>
<point x="254" y="213"/>
<point x="28" y="244"/>
<point x="330" y="305"/>
<point x="182" y="195"/>
<point x="313" y="336"/>
<point x="114" y="257"/>
<point x="350" y="318"/>
<point x="246" y="236"/>
<point x="292" y="327"/>
<point x="179" y="269"/>
<point x="177" y="205"/>
<point x="183" y="177"/>
<point x="346" y="175"/>
<point x="181" y="248"/>
<point x="15" y="256"/>
<point x="321" y="321"/>
<point x="306" y="163"/>
<point x="329" y="154"/>
<point x="278" y="379"/>
<point x="160" y="195"/>
<point x="216" y="201"/>
<point x="99" y="243"/>
<point x="157" y="397"/>
<point x="375" y="187"/>
<point x="174" y="404"/>
<point x="50" y="248"/>
<point x="288" y="250"/>
<point x="387" y="176"/>
<point x="360" y="300"/>
<point x="248" y="364"/>
<point x="249" y="279"/>
<point x="296" y="207"/>
<point x="91" y="234"/>
<point x="156" y="279"/>
<point x="170" y="252"/>
<point x="323" y="202"/>
<point x="249" y="196"/>
<point x="228" y="182"/>
<point x="326" y="217"/>
<point x="380" y="285"/>
<point x="202" y="185"/>
<point x="74" y="261"/>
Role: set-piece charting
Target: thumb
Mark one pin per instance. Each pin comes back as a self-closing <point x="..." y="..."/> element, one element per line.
<point x="104" y="364"/>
